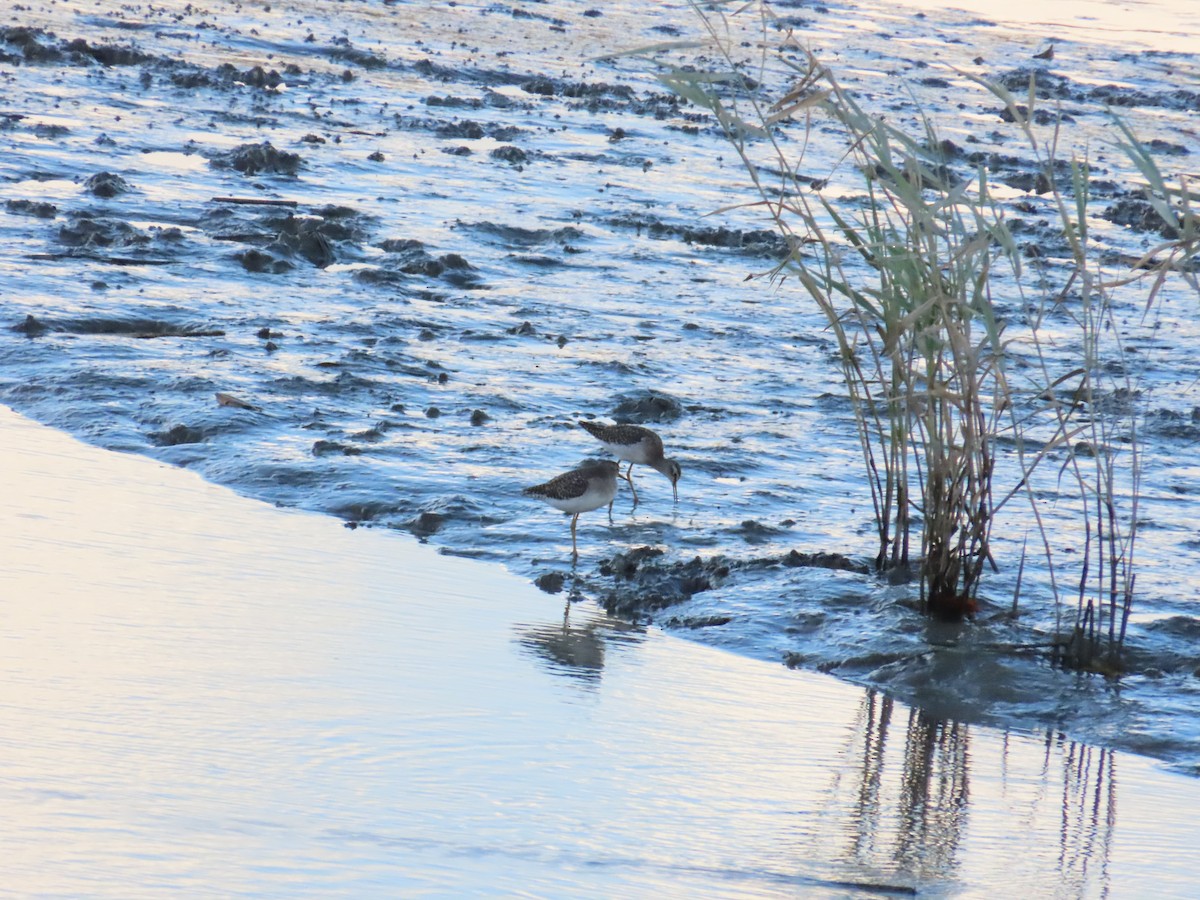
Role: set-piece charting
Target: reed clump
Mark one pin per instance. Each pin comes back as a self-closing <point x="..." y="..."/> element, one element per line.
<point x="904" y="271"/>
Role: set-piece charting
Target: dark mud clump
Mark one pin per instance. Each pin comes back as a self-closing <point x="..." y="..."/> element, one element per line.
<point x="551" y="582"/>
<point x="254" y="159"/>
<point x="179" y="434"/>
<point x="97" y="237"/>
<point x="1052" y="86"/>
<point x="31" y="327"/>
<point x="32" y="44"/>
<point x="517" y="237"/>
<point x="757" y="242"/>
<point x="334" y="448"/>
<point x="754" y="532"/>
<point x="135" y="327"/>
<point x="259" y="262"/>
<point x="1135" y="212"/>
<point x="80" y="51"/>
<point x="648" y="406"/>
<point x="643" y="583"/>
<point x="460" y="129"/>
<point x="426" y="524"/>
<point x="311" y="239"/>
<point x="598" y="97"/>
<point x="471" y="131"/>
<point x="345" y="51"/>
<point x="255" y="76"/>
<point x="106" y="185"/>
<point x="825" y="560"/>
<point x="1174" y="425"/>
<point x="1040" y="116"/>
<point x="31" y="208"/>
<point x="453" y="102"/>
<point x="1022" y="174"/>
<point x="510" y="154"/>
<point x="226" y="76"/>
<point x="38" y="46"/>
<point x="1029" y="182"/>
<point x="86" y="231"/>
<point x="409" y="257"/>
<point x="327" y="235"/>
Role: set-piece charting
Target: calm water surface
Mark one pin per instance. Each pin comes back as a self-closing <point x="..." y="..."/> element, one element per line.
<point x="204" y="695"/>
<point x="1160" y="25"/>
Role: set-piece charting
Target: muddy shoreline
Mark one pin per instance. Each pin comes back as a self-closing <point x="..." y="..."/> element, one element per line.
<point x="418" y="251"/>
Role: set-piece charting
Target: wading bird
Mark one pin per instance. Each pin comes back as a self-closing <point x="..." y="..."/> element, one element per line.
<point x="635" y="444"/>
<point x="592" y="485"/>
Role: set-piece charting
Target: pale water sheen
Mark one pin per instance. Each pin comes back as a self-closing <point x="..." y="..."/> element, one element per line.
<point x="209" y="697"/>
<point x="1144" y="24"/>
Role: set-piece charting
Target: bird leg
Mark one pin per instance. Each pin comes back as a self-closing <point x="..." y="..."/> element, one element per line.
<point x="574" y="546"/>
<point x="629" y="478"/>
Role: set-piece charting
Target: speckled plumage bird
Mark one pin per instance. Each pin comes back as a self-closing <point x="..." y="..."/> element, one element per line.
<point x="592" y="485"/>
<point x="635" y="444"/>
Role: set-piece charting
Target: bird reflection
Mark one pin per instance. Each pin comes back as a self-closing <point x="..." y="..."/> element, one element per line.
<point x="576" y="650"/>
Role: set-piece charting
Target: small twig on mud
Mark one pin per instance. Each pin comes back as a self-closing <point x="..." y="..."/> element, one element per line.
<point x="224" y="399"/>
<point x="256" y="201"/>
<point x="146" y="335"/>
<point x="94" y="257"/>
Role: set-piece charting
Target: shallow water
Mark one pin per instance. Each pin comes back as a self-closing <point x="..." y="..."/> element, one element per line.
<point x="491" y="237"/>
<point x="1141" y="24"/>
<point x="203" y="695"/>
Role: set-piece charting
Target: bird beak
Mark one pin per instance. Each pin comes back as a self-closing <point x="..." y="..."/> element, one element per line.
<point x="675" y="490"/>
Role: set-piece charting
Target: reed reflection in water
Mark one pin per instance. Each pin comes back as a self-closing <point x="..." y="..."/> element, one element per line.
<point x="903" y="804"/>
<point x="882" y="797"/>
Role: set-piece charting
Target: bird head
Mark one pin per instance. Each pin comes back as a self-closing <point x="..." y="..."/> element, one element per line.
<point x="674" y="472"/>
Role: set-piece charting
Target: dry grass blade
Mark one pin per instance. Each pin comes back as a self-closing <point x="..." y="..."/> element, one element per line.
<point x="650" y="50"/>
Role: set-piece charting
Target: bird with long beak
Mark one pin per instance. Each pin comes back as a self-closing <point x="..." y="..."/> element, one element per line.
<point x="635" y="445"/>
